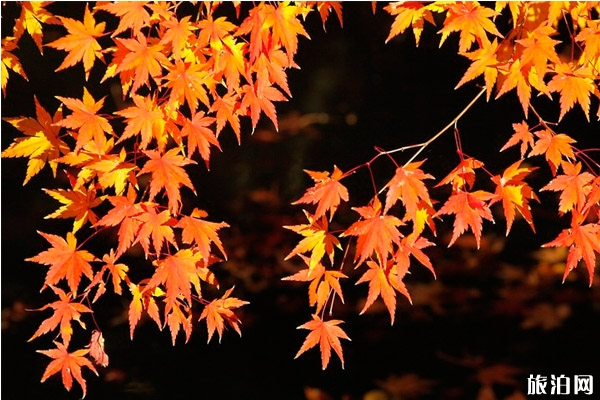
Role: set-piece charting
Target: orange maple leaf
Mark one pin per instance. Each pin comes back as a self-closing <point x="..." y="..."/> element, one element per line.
<point x="515" y="77"/>
<point x="177" y="32"/>
<point x="69" y="364"/>
<point x="167" y="173"/>
<point x="286" y="26"/>
<point x="85" y="120"/>
<point x="463" y="176"/>
<point x="201" y="232"/>
<point x="472" y="21"/>
<point x="132" y="15"/>
<point x="77" y="204"/>
<point x="80" y="42"/>
<point x="322" y="282"/>
<point x="514" y="193"/>
<point x="327" y="334"/>
<point x="522" y="135"/>
<point x="484" y="62"/>
<point x="574" y="186"/>
<point x="413" y="14"/>
<point x="327" y="192"/>
<point x="65" y="311"/>
<point x="144" y="57"/>
<point x="260" y="100"/>
<point x="41" y="143"/>
<point x="155" y="226"/>
<point x="10" y="61"/>
<point x="317" y="239"/>
<point x="187" y="81"/>
<point x="199" y="136"/>
<point x="375" y="232"/>
<point x="65" y="261"/>
<point x="178" y="319"/>
<point x="407" y="186"/>
<point x="219" y="311"/>
<point x="384" y="282"/>
<point x="227" y="108"/>
<point x="177" y="272"/>
<point x="583" y="242"/>
<point x="574" y="86"/>
<point x="145" y="119"/>
<point x="553" y="146"/>
<point x="412" y="245"/>
<point x="538" y="49"/>
<point x="142" y="299"/>
<point x="33" y="15"/>
<point x="469" y="208"/>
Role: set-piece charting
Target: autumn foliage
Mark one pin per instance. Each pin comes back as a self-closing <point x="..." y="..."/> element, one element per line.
<point x="194" y="72"/>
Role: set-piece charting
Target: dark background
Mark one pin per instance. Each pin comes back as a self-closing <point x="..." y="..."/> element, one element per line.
<point x="492" y="318"/>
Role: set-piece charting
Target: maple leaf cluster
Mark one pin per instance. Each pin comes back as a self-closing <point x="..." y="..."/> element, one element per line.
<point x="187" y="73"/>
<point x="391" y="228"/>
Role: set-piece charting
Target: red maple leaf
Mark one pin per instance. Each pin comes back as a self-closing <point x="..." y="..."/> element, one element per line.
<point x="583" y="242"/>
<point x="470" y="209"/>
<point x="69" y="364"/>
<point x="573" y="185"/>
<point x="327" y="334"/>
<point x="167" y="173"/>
<point x="66" y="262"/>
<point x="375" y="232"/>
<point x="219" y="311"/>
<point x="327" y="192"/>
<point x="407" y="186"/>
<point x="522" y="135"/>
<point x="65" y="311"/>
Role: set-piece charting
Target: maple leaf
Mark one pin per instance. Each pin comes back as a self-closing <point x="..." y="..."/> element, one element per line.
<point x="69" y="364"/>
<point x="286" y="26"/>
<point x="65" y="261"/>
<point x="155" y="226"/>
<point x="407" y="185"/>
<point x="412" y="245"/>
<point x="574" y="186"/>
<point x="41" y="143"/>
<point x="322" y="282"/>
<point x="145" y="119"/>
<point x="96" y="347"/>
<point x="317" y="239"/>
<point x="112" y="170"/>
<point x="538" y="50"/>
<point x="327" y="334"/>
<point x="260" y="99"/>
<point x="553" y="146"/>
<point x="201" y="232"/>
<point x="78" y="204"/>
<point x="118" y="272"/>
<point x="199" y="135"/>
<point x="177" y="319"/>
<point x="413" y="14"/>
<point x="177" y="32"/>
<point x="144" y="57"/>
<point x="226" y="108"/>
<point x="177" y="273"/>
<point x="325" y="7"/>
<point x="33" y="15"/>
<point x="327" y="192"/>
<point x="514" y="193"/>
<point x="472" y="21"/>
<point x="583" y="242"/>
<point x="382" y="282"/>
<point x="142" y="299"/>
<point x="187" y="81"/>
<point x="522" y="135"/>
<point x="85" y="119"/>
<point x="167" y="173"/>
<point x="515" y="78"/>
<point x="80" y="42"/>
<point x="463" y="176"/>
<point x="132" y="15"/>
<point x="65" y="311"/>
<point x="10" y="61"/>
<point x="574" y="86"/>
<point x="375" y="232"/>
<point x="469" y="208"/>
<point x="219" y="311"/>
<point x="484" y="62"/>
